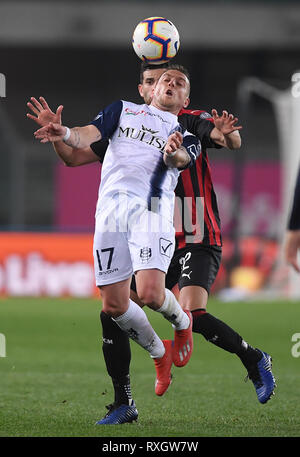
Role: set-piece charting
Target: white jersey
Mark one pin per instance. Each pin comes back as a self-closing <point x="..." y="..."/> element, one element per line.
<point x="133" y="163"/>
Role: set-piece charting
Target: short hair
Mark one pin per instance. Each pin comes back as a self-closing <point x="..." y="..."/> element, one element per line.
<point x="148" y="66"/>
<point x="167" y="65"/>
<point x="181" y="68"/>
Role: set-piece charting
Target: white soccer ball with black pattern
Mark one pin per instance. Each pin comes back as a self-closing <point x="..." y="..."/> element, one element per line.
<point x="156" y="40"/>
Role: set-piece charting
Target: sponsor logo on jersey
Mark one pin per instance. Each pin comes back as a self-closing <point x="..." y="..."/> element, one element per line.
<point x="142" y="112"/>
<point x="108" y="272"/>
<point x="143" y="135"/>
<point x="183" y="261"/>
<point x="149" y="130"/>
<point x="205" y="115"/>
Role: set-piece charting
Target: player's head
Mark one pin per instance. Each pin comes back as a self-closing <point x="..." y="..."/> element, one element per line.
<point x="182" y="69"/>
<point x="149" y="75"/>
<point x="172" y="90"/>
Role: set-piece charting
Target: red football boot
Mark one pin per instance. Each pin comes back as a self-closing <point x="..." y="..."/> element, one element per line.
<point x="163" y="369"/>
<point x="183" y="344"/>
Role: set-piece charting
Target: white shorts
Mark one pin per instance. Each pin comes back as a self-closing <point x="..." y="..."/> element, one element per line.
<point x="128" y="241"/>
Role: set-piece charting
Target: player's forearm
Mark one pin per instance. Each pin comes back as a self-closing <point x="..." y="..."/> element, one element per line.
<point x="82" y="137"/>
<point x="64" y="152"/>
<point x="178" y="160"/>
<point x="74" y="157"/>
<point x="233" y="140"/>
<point x="230" y="140"/>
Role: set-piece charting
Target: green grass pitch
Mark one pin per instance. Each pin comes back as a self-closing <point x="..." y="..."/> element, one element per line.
<point x="54" y="383"/>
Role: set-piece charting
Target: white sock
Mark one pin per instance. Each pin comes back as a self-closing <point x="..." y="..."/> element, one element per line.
<point x="172" y="311"/>
<point x="136" y="324"/>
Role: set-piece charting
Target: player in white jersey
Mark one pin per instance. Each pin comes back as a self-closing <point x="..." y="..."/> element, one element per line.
<point x="158" y="152"/>
<point x="134" y="180"/>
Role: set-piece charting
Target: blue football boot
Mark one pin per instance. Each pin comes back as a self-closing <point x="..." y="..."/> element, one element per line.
<point x="262" y="377"/>
<point x="119" y="414"/>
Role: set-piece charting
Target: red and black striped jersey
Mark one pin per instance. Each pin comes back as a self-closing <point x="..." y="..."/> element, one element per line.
<point x="196" y="207"/>
<point x="194" y="190"/>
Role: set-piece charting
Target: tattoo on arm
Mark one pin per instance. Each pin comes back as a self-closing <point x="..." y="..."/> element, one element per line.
<point x="76" y="137"/>
<point x="186" y="157"/>
<point x="74" y="142"/>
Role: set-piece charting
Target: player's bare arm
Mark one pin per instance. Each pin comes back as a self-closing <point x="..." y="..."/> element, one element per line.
<point x="76" y="137"/>
<point x="43" y="115"/>
<point x="175" y="155"/>
<point x="226" y="131"/>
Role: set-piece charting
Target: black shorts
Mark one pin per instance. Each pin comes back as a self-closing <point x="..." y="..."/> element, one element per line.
<point x="193" y="265"/>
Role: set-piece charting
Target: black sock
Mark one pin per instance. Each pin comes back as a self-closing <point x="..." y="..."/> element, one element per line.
<point x="117" y="356"/>
<point x="122" y="390"/>
<point x="223" y="336"/>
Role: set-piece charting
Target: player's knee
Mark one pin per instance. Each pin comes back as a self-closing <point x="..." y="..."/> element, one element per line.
<point x="134" y="297"/>
<point x="151" y="296"/>
<point x="113" y="308"/>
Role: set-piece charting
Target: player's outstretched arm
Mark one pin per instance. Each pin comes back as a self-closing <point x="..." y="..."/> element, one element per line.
<point x="42" y="115"/>
<point x="226" y="131"/>
<point x="77" y="137"/>
<point x="175" y="155"/>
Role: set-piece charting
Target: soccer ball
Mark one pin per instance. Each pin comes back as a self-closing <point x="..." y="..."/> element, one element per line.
<point x="155" y="40"/>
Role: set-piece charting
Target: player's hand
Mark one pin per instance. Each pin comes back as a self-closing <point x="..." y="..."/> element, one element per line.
<point x="50" y="133"/>
<point x="174" y="142"/>
<point x="226" y="123"/>
<point x="43" y="114"/>
<point x="291" y="248"/>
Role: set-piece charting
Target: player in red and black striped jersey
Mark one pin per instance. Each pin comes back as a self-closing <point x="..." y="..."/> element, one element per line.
<point x="196" y="261"/>
<point x="198" y="183"/>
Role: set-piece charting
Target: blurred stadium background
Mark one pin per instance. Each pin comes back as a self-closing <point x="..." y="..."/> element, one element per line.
<point x="239" y="53"/>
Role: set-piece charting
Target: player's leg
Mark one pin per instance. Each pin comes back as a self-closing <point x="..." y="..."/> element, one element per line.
<point x="137" y="326"/>
<point x="151" y="251"/>
<point x="214" y="330"/>
<point x="117" y="356"/>
<point x="133" y="321"/>
<point x="130" y="317"/>
<point x="112" y="264"/>
<point x="200" y="266"/>
<point x="113" y="271"/>
<point x="152" y="292"/>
